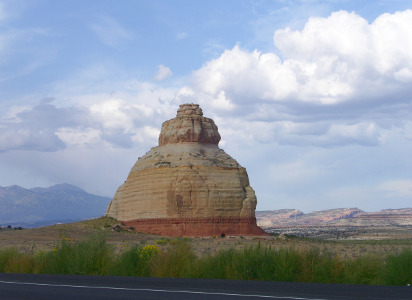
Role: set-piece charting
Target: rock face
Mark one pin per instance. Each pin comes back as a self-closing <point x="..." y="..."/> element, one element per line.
<point x="339" y="216"/>
<point x="285" y="217"/>
<point x="187" y="186"/>
<point x="270" y="218"/>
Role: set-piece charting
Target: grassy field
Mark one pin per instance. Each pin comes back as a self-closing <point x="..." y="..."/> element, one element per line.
<point x="95" y="256"/>
<point x="101" y="247"/>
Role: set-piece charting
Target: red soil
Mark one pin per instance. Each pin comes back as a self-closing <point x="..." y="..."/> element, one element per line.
<point x="218" y="226"/>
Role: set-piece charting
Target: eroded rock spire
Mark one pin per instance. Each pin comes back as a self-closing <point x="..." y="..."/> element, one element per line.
<point x="189" y="126"/>
<point x="187" y="186"/>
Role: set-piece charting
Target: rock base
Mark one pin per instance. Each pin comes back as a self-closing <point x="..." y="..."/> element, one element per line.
<point x="218" y="226"/>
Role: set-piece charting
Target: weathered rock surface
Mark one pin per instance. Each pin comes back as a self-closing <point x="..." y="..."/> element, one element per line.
<point x="385" y="217"/>
<point x="187" y="186"/>
<point x="269" y="218"/>
<point x="189" y="126"/>
<point x="340" y="216"/>
<point x="284" y="217"/>
<point x="398" y="211"/>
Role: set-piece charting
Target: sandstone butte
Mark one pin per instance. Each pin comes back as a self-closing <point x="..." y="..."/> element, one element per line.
<point x="187" y="186"/>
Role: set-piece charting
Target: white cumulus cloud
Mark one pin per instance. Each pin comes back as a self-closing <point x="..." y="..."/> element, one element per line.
<point x="79" y="137"/>
<point x="331" y="60"/>
<point x="340" y="80"/>
<point x="162" y="73"/>
<point x="245" y="75"/>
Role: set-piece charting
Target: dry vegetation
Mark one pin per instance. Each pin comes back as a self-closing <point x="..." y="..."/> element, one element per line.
<point x="45" y="239"/>
<point x="103" y="247"/>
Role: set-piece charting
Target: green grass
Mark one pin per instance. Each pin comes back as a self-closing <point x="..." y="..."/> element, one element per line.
<point x="12" y="261"/>
<point x="135" y="261"/>
<point x="96" y="257"/>
<point x="176" y="261"/>
<point x="398" y="268"/>
<point x="288" y="264"/>
<point x="92" y="257"/>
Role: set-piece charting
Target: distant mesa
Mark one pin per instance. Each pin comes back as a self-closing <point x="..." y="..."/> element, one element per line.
<point x="187" y="186"/>
<point x="338" y="216"/>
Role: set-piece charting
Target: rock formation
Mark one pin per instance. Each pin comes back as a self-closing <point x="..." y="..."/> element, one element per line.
<point x="339" y="216"/>
<point x="187" y="186"/>
<point x="285" y="217"/>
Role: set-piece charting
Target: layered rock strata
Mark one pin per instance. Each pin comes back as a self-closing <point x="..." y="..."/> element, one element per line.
<point x="187" y="186"/>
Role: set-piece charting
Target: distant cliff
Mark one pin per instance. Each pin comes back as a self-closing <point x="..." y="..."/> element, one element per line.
<point x="38" y="206"/>
<point x="339" y="216"/>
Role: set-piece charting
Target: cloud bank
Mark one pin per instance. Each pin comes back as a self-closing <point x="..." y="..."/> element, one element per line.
<point x="334" y="82"/>
<point x="337" y="81"/>
<point x="329" y="109"/>
<point x="331" y="60"/>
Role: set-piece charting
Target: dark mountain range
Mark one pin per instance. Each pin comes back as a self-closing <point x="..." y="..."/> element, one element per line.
<point x="42" y="206"/>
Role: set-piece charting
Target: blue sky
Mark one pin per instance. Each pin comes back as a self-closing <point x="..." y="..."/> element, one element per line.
<point x="312" y="97"/>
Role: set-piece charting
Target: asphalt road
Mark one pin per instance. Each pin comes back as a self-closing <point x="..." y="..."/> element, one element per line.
<point x="64" y="287"/>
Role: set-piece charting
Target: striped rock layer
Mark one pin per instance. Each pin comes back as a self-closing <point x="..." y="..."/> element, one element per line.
<point x="187" y="186"/>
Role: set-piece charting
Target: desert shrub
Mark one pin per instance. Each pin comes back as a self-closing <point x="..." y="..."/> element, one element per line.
<point x="317" y="266"/>
<point x="398" y="268"/>
<point x="179" y="260"/>
<point x="180" y="240"/>
<point x="21" y="263"/>
<point x="217" y="266"/>
<point x="5" y="255"/>
<point x="162" y="241"/>
<point x="41" y="259"/>
<point x="363" y="270"/>
<point x="12" y="261"/>
<point x="288" y="264"/>
<point x="330" y="268"/>
<point x="262" y="264"/>
<point x="135" y="261"/>
<point x="93" y="257"/>
<point x="251" y="263"/>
